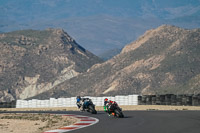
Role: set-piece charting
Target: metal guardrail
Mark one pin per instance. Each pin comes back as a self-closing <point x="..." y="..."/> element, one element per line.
<point x="169" y="99"/>
<point x="11" y="104"/>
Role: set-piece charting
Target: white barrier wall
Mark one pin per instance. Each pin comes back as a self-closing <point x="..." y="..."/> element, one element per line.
<point x="71" y="102"/>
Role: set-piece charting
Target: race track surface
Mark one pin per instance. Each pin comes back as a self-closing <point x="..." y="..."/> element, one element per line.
<point x="142" y="122"/>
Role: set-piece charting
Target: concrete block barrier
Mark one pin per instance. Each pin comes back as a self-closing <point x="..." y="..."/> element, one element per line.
<point x="71" y="102"/>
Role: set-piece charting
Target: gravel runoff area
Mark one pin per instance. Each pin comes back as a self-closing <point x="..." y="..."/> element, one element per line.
<point x="32" y="123"/>
<point x="37" y="123"/>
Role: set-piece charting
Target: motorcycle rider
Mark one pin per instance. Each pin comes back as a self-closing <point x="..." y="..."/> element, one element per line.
<point x="107" y="105"/>
<point x="105" y="101"/>
<point x="81" y="103"/>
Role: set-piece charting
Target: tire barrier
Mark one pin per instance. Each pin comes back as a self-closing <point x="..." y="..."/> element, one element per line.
<point x="71" y="102"/>
<point x="170" y="99"/>
<point x="11" y="104"/>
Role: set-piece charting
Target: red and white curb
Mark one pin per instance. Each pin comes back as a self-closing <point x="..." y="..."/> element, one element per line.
<point x="84" y="121"/>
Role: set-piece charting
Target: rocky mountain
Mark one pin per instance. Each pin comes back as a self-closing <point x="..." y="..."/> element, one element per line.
<point x="163" y="60"/>
<point x="32" y="62"/>
<point x="110" y="53"/>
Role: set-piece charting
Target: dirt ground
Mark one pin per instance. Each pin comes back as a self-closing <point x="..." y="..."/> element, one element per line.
<point x="159" y="107"/>
<point x="32" y="123"/>
<point x="37" y="123"/>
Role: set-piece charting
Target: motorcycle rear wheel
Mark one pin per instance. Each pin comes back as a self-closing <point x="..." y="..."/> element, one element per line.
<point x="92" y="110"/>
<point x="118" y="113"/>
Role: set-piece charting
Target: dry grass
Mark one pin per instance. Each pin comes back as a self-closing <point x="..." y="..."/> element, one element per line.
<point x="159" y="107"/>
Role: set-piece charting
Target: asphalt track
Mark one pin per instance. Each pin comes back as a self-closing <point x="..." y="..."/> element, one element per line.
<point x="142" y="122"/>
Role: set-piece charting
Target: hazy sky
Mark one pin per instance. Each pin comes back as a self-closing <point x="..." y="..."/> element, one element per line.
<point x="98" y="25"/>
<point x="59" y="9"/>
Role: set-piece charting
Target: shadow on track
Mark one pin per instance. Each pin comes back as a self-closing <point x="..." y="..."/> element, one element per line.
<point x="126" y="117"/>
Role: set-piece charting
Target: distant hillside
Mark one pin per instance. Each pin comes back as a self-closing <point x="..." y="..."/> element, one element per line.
<point x="32" y="62"/>
<point x="109" y="54"/>
<point x="163" y="60"/>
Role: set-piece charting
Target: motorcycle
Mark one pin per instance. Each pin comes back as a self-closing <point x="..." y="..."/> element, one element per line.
<point x="89" y="106"/>
<point x="115" y="110"/>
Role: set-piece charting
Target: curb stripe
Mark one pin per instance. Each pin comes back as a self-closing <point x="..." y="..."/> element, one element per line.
<point x="84" y="121"/>
<point x="87" y="120"/>
<point x="51" y="132"/>
<point x="82" y="117"/>
<point x="69" y="128"/>
<point x="69" y="115"/>
<point x="82" y="124"/>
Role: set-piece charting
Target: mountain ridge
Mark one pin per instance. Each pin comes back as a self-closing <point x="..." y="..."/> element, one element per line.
<point x="163" y="60"/>
<point x="36" y="61"/>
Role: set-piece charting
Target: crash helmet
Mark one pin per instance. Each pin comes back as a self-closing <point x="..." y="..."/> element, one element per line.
<point x="78" y="98"/>
<point x="106" y="99"/>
